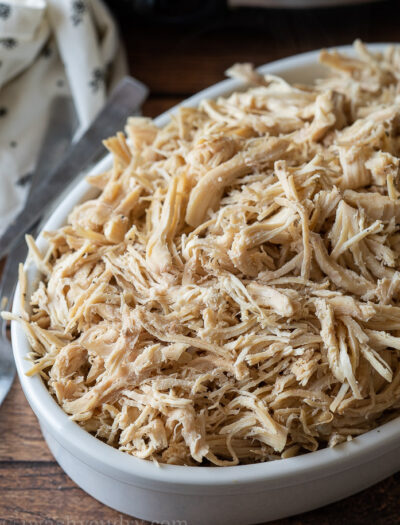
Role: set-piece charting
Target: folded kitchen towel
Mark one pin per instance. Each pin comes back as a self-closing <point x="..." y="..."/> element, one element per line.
<point x="49" y="48"/>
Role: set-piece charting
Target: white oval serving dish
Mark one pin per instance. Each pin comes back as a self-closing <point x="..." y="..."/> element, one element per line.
<point x="245" y="494"/>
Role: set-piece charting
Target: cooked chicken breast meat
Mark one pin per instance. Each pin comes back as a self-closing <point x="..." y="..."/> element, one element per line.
<point x="233" y="293"/>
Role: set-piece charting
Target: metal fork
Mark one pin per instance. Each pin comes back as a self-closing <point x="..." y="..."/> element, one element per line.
<point x="58" y="136"/>
<point x="59" y="133"/>
<point x="7" y="289"/>
<point x="126" y="99"/>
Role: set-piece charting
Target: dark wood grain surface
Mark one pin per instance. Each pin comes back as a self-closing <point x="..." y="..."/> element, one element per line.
<point x="176" y="61"/>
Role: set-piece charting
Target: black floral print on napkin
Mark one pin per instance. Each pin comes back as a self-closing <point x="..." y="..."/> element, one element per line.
<point x="97" y="79"/>
<point x="24" y="179"/>
<point x="5" y="11"/>
<point x="3" y="111"/>
<point x="8" y="43"/>
<point x="46" y="51"/>
<point x="78" y="10"/>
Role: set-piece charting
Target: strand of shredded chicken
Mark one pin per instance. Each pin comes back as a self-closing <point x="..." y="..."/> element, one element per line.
<point x="232" y="295"/>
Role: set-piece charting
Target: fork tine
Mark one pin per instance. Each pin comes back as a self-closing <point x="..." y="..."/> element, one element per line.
<point x="10" y="273"/>
<point x="7" y="289"/>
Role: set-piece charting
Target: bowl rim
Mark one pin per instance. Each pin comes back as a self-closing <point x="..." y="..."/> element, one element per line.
<point x="98" y="454"/>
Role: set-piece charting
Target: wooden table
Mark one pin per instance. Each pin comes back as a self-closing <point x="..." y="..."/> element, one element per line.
<point x="176" y="62"/>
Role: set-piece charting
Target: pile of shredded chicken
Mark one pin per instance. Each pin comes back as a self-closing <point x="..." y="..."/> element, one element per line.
<point x="232" y="295"/>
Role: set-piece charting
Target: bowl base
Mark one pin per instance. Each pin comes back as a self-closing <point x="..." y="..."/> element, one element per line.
<point x="246" y="509"/>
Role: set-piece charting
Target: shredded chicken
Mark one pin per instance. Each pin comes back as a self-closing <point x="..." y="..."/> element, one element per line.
<point x="233" y="294"/>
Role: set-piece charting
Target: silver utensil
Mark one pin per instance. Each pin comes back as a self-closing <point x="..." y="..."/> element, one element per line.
<point x="61" y="126"/>
<point x="59" y="132"/>
<point x="126" y="98"/>
<point x="7" y="288"/>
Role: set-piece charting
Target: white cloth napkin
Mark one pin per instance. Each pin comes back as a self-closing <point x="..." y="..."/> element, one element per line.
<point x="49" y="48"/>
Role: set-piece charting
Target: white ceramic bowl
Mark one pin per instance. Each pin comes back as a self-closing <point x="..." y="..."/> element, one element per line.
<point x="210" y="495"/>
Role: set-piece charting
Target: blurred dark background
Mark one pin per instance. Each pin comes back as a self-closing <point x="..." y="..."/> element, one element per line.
<point x="178" y="47"/>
